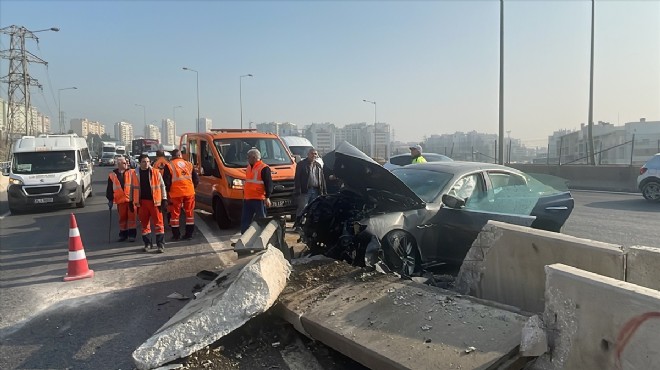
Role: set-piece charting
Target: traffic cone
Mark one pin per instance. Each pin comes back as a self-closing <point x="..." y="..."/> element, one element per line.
<point x="78" y="268"/>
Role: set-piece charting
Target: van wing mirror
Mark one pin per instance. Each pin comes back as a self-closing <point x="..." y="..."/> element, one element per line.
<point x="5" y="171"/>
<point x="84" y="166"/>
<point x="452" y="201"/>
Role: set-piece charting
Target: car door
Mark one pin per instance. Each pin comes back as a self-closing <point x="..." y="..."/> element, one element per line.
<point x="457" y="228"/>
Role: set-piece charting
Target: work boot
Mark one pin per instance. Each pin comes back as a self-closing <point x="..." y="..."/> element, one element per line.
<point x="123" y="235"/>
<point x="147" y="243"/>
<point x="176" y="233"/>
<point x="160" y="243"/>
<point x="131" y="235"/>
<point x="189" y="232"/>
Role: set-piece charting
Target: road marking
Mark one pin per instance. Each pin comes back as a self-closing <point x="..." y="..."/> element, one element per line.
<point x="219" y="244"/>
<point x="604" y="192"/>
<point x="5" y="215"/>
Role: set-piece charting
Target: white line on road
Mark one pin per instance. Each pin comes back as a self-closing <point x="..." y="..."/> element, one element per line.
<point x="604" y="192"/>
<point x="5" y="215"/>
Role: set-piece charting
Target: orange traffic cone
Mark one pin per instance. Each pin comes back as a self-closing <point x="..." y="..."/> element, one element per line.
<point x="78" y="268"/>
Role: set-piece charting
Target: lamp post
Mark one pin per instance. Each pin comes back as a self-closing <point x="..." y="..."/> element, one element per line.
<point x="59" y="106"/>
<point x="240" y="93"/>
<point x="197" y="74"/>
<point x="373" y="152"/>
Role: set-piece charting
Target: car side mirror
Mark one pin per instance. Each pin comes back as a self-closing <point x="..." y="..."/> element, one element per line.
<point x="452" y="201"/>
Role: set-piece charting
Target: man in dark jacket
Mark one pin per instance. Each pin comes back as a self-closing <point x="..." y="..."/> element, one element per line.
<point x="309" y="181"/>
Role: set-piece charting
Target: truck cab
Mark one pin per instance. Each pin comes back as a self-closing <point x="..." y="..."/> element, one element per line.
<point x="48" y="171"/>
<point x="220" y="159"/>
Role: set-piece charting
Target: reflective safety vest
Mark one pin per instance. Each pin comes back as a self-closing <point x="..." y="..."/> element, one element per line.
<point x="160" y="164"/>
<point x="254" y="185"/>
<point x="121" y="195"/>
<point x="156" y="183"/>
<point x="182" y="185"/>
<point x="419" y="159"/>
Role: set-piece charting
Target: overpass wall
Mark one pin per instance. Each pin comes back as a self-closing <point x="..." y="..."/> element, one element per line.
<point x="609" y="178"/>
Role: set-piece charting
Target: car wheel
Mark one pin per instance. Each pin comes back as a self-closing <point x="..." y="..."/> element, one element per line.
<point x="220" y="215"/>
<point x="81" y="204"/>
<point x="651" y="191"/>
<point x="400" y="253"/>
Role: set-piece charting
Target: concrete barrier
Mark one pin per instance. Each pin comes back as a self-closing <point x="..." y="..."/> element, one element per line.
<point x="596" y="322"/>
<point x="643" y="266"/>
<point x="260" y="234"/>
<point x="609" y="177"/>
<point x="505" y="263"/>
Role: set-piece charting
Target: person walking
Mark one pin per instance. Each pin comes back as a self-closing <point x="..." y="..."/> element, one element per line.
<point x="257" y="189"/>
<point x="308" y="182"/>
<point x="180" y="181"/>
<point x="148" y="196"/>
<point x="416" y="154"/>
<point x="161" y="164"/>
<point x="118" y="192"/>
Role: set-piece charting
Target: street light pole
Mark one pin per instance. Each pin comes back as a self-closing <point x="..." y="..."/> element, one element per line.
<point x="375" y="120"/>
<point x="240" y="93"/>
<point x="197" y="74"/>
<point x="59" y="106"/>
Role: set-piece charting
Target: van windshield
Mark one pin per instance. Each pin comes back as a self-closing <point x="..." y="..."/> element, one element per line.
<point x="43" y="162"/>
<point x="234" y="151"/>
<point x="300" y="150"/>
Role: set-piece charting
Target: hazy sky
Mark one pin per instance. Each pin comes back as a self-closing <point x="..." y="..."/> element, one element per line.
<point x="431" y="66"/>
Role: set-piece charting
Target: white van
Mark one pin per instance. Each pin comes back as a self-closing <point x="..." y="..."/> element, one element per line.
<point x="299" y="146"/>
<point x="48" y="170"/>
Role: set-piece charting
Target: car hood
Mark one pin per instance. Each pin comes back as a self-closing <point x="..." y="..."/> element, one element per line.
<point x="360" y="173"/>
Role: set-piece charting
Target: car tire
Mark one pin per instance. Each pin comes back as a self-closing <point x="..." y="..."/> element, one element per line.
<point x="400" y="253"/>
<point x="651" y="191"/>
<point x="220" y="215"/>
<point x="81" y="204"/>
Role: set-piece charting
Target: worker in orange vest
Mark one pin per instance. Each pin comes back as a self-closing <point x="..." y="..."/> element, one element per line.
<point x="118" y="192"/>
<point x="180" y="182"/>
<point x="149" y="197"/>
<point x="161" y="164"/>
<point x="257" y="189"/>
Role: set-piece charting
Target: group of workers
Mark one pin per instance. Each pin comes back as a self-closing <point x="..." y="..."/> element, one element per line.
<point x="150" y="191"/>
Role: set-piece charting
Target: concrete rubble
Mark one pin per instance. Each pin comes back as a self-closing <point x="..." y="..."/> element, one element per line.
<point x="234" y="297"/>
<point x="534" y="341"/>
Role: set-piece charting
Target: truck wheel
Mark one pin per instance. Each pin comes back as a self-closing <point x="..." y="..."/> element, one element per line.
<point x="81" y="204"/>
<point x="220" y="215"/>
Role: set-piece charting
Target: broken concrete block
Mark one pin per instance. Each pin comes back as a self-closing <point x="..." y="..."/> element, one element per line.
<point x="225" y="304"/>
<point x="505" y="263"/>
<point x="596" y="322"/>
<point x="533" y="341"/>
<point x="256" y="237"/>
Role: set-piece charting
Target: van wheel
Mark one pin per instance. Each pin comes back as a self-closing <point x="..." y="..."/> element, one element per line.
<point x="81" y="204"/>
<point x="91" y="191"/>
<point x="220" y="215"/>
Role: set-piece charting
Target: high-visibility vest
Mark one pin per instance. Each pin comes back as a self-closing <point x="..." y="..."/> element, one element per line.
<point x="419" y="159"/>
<point x="121" y="195"/>
<point x="155" y="181"/>
<point x="182" y="185"/>
<point x="160" y="164"/>
<point x="254" y="185"/>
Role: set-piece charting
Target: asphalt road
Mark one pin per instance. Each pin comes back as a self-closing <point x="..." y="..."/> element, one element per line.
<point x="97" y="323"/>
<point x="618" y="218"/>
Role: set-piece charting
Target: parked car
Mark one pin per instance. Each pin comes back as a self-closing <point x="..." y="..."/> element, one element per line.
<point x="422" y="214"/>
<point x="107" y="159"/>
<point x="405" y="159"/>
<point x="648" y="180"/>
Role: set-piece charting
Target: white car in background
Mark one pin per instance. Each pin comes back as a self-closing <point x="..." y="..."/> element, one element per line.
<point x="648" y="180"/>
<point x="405" y="159"/>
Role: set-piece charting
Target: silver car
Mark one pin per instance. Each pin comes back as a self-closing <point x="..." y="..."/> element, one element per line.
<point x="648" y="180"/>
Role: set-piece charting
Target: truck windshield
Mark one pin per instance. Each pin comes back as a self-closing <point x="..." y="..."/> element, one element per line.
<point x="234" y="151"/>
<point x="43" y="162"/>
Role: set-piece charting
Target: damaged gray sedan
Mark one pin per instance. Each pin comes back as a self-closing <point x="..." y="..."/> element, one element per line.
<point x="424" y="214"/>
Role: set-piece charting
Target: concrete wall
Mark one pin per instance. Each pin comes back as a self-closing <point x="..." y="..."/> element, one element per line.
<point x="611" y="178"/>
<point x="505" y="263"/>
<point x="643" y="266"/>
<point x="595" y="322"/>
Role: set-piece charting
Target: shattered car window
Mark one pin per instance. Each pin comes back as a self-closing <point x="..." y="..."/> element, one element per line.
<point x="426" y="184"/>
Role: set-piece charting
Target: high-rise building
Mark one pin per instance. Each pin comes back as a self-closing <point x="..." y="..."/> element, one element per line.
<point x="124" y="132"/>
<point x="322" y="136"/>
<point x="84" y="127"/>
<point x="204" y="125"/>
<point x="168" y="131"/>
<point x="152" y="132"/>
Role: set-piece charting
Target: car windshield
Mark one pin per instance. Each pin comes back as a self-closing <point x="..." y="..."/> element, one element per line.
<point x="43" y="162"/>
<point x="234" y="151"/>
<point x="426" y="184"/>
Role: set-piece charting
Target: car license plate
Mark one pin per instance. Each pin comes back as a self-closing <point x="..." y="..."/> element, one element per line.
<point x="281" y="203"/>
<point x="44" y="200"/>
